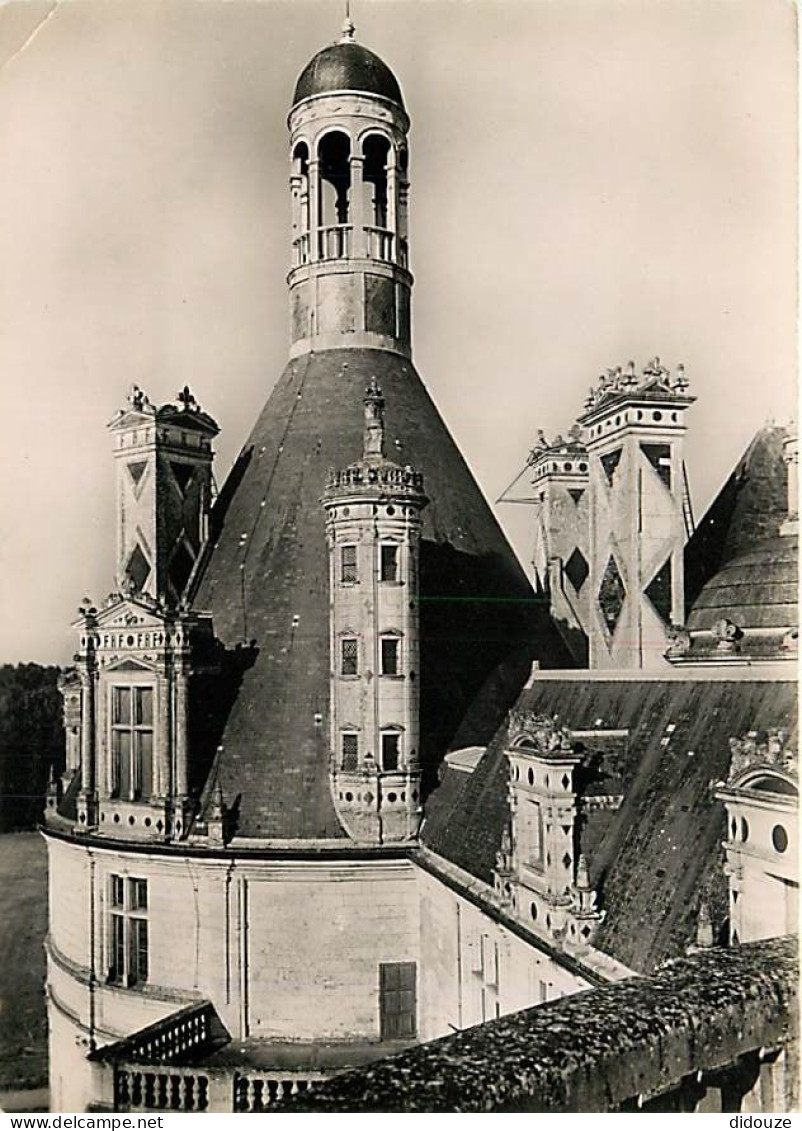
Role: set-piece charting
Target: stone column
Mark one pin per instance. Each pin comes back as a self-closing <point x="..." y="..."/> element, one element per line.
<point x="314" y="209"/>
<point x="791" y="459"/>
<point x="297" y="228"/>
<point x="358" y="246"/>
<point x="87" y="729"/>
<point x="392" y="199"/>
<point x="403" y="208"/>
<point x="181" y="719"/>
<point x="163" y="752"/>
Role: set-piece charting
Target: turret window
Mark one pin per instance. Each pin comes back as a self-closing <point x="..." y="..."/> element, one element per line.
<point x="390" y="651"/>
<point x="350" y="751"/>
<point x="131" y="742"/>
<point x="349" y="574"/>
<point x="349" y="656"/>
<point x="391" y="751"/>
<point x="388" y="563"/>
<point x="128" y="930"/>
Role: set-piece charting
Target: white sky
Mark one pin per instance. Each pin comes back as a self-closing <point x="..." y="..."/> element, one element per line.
<point x="591" y="182"/>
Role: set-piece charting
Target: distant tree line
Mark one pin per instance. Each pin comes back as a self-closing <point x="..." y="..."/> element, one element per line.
<point x="31" y="741"/>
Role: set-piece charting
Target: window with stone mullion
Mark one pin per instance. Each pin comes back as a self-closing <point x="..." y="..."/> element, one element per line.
<point x="128" y="949"/>
<point x="131" y="742"/>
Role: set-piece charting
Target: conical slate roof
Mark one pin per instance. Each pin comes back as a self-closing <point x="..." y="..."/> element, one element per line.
<point x="266" y="584"/>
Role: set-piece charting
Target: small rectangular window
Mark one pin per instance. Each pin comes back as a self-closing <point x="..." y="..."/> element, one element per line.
<point x="390" y="751"/>
<point x="388" y="563"/>
<point x="350" y="751"/>
<point x="348" y="569"/>
<point x="389" y="655"/>
<point x="117" y="891"/>
<point x="117" y="949"/>
<point x="397" y="1000"/>
<point x="139" y="895"/>
<point x="138" y="951"/>
<point x="349" y="664"/>
<point x="143" y="697"/>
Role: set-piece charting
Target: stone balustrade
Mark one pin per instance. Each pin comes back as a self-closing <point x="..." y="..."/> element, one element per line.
<point x="258" y="1092"/>
<point x="337" y="241"/>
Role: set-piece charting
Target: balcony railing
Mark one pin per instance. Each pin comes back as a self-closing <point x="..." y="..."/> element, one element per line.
<point x="300" y="248"/>
<point x="138" y="1087"/>
<point x="260" y="1092"/>
<point x="336" y="241"/>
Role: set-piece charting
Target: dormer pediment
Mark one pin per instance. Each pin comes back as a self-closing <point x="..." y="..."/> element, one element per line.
<point x="129" y="612"/>
<point x="129" y="666"/>
<point x="133" y="418"/>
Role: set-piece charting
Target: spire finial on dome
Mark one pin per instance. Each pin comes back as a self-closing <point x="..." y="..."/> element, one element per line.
<point x="348" y="29"/>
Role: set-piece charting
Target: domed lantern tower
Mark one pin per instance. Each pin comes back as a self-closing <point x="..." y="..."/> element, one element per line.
<point x="349" y="282"/>
<point x="266" y="578"/>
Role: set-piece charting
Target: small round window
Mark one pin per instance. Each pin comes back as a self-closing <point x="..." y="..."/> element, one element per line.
<point x="779" y="838"/>
<point x="744" y="829"/>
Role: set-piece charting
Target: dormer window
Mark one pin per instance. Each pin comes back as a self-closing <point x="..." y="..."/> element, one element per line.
<point x="131" y="742"/>
<point x="349" y="574"/>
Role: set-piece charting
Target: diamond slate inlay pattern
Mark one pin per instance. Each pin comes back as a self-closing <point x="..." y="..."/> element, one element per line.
<point x="610" y="462"/>
<point x="136" y="470"/>
<point x="659" y="591"/>
<point x="611" y="594"/>
<point x="138" y="568"/>
<point x="577" y="569"/>
<point x="182" y="472"/>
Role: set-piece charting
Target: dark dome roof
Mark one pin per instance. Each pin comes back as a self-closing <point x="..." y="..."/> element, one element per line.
<point x="347" y="66"/>
<point x="756" y="589"/>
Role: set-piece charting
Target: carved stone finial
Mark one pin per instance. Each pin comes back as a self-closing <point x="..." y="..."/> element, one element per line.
<point x="704" y="927"/>
<point x="790" y="642"/>
<point x="539" y="733"/>
<point x="681" y="381"/>
<point x="679" y="641"/>
<point x="348" y="28"/>
<point x="582" y="873"/>
<point x="775" y="748"/>
<point x="136" y="398"/>
<point x="728" y="635"/>
<point x="217" y="811"/>
<point x="186" y="399"/>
